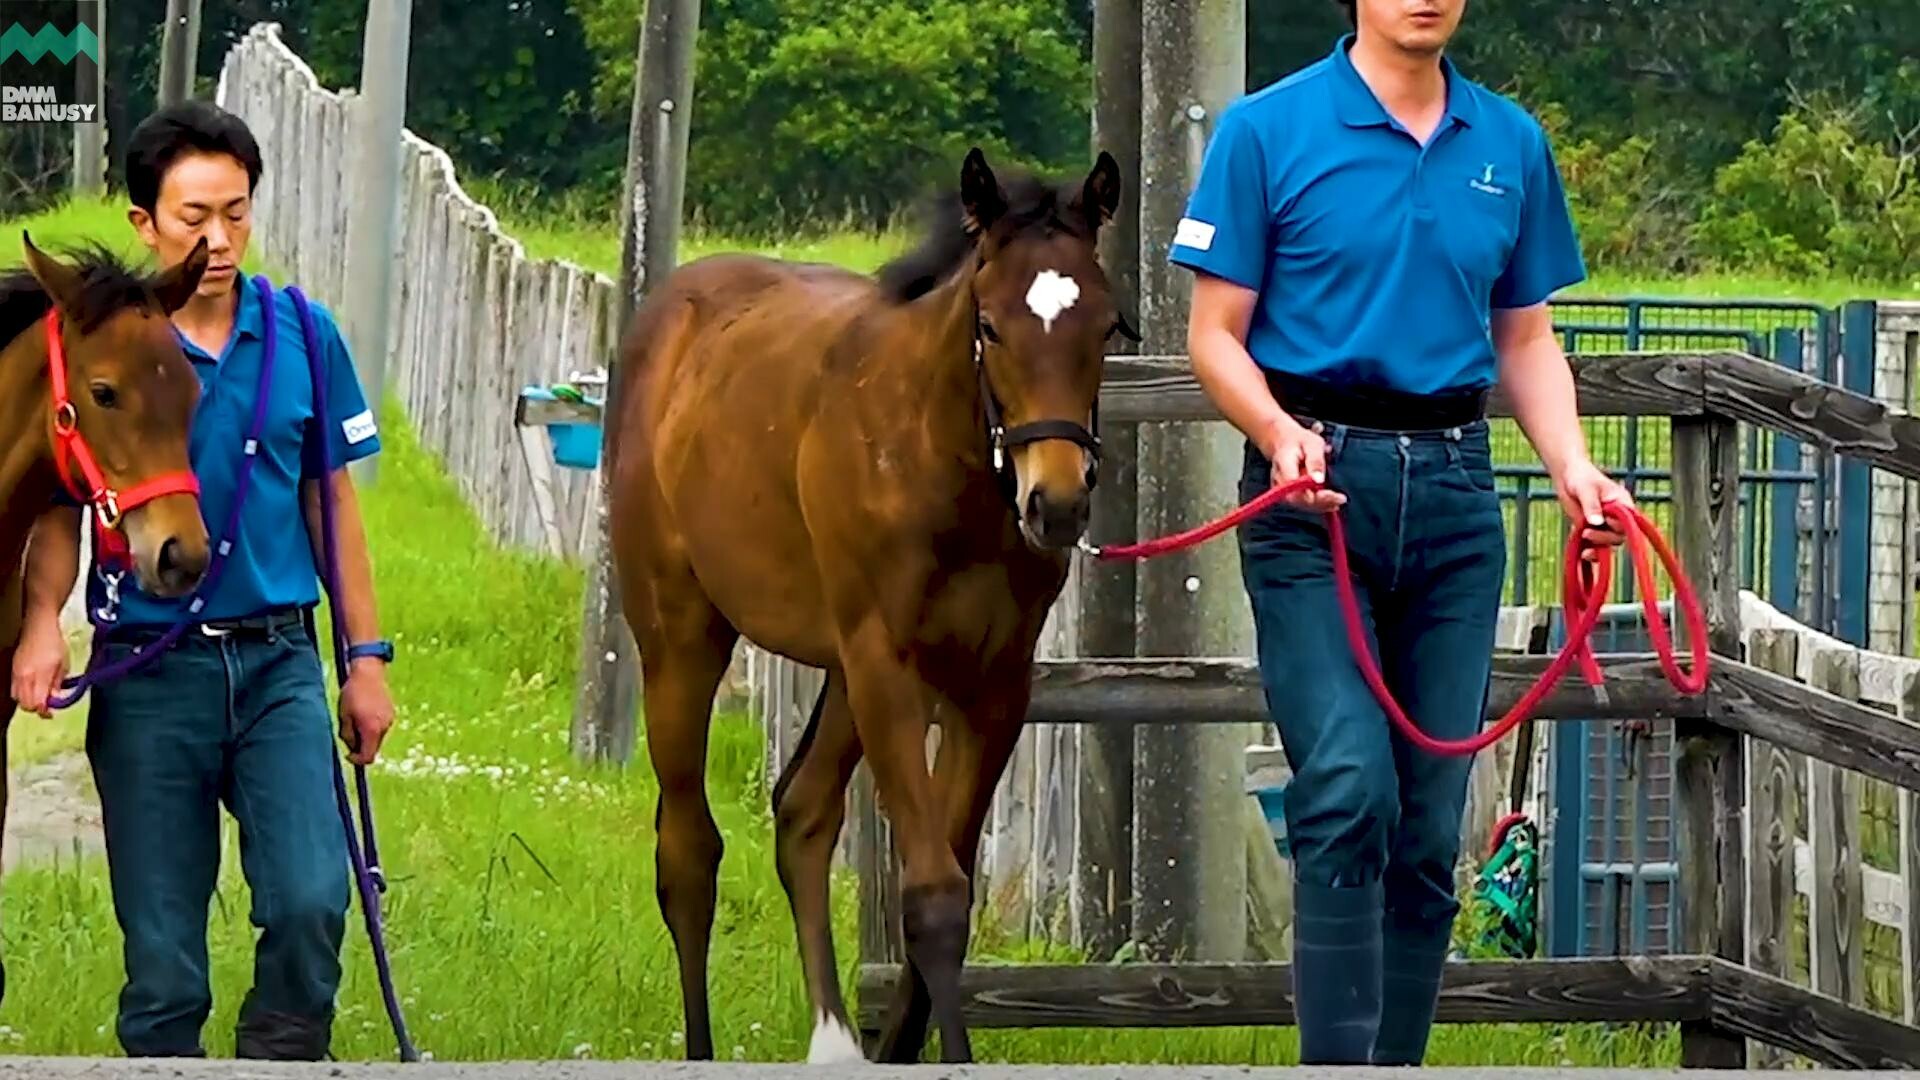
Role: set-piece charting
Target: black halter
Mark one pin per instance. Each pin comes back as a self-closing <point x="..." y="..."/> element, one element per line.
<point x="1002" y="439"/>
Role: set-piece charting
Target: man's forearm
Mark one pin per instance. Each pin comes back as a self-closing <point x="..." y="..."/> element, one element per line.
<point x="1539" y="384"/>
<point x="355" y="607"/>
<point x="52" y="563"/>
<point x="1232" y="381"/>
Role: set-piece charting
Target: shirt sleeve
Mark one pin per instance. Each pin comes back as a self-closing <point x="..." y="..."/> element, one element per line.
<point x="1225" y="229"/>
<point x="1546" y="255"/>
<point x="350" y="428"/>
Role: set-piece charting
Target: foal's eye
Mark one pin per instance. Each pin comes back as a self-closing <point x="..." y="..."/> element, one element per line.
<point x="987" y="331"/>
<point x="104" y="395"/>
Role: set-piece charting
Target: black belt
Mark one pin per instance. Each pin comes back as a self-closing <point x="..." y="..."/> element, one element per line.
<point x="266" y="624"/>
<point x="1375" y="407"/>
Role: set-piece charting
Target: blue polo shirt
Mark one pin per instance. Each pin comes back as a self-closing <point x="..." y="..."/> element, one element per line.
<point x="271" y="564"/>
<point x="1378" y="260"/>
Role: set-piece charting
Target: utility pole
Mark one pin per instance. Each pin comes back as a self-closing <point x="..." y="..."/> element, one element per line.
<point x="379" y="113"/>
<point x="179" y="50"/>
<point x="90" y="139"/>
<point x="603" y="723"/>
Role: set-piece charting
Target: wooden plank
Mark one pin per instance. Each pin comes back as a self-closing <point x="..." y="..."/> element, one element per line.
<point x="1833" y="825"/>
<point x="1772" y="808"/>
<point x="1154" y="690"/>
<point x="1826" y="1030"/>
<point x="1792" y="402"/>
<point x="1671" y="988"/>
<point x="533" y="412"/>
<point x="1162" y="387"/>
<point x="1710" y="785"/>
<point x="1909" y="869"/>
<point x="1739" y="697"/>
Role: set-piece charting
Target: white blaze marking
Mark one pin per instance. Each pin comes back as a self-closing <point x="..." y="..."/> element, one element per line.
<point x="833" y="1043"/>
<point x="1051" y="294"/>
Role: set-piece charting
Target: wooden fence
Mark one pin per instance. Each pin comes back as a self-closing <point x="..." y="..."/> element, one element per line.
<point x="474" y="320"/>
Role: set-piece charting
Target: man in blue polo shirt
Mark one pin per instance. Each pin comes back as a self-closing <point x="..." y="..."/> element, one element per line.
<point x="237" y="711"/>
<point x="1375" y="239"/>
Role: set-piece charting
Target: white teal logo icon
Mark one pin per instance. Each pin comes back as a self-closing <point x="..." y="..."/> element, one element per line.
<point x="1484" y="182"/>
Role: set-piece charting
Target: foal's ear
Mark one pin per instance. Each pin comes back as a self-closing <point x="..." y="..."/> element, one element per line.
<point x="980" y="194"/>
<point x="175" y="285"/>
<point x="61" y="281"/>
<point x="1100" y="194"/>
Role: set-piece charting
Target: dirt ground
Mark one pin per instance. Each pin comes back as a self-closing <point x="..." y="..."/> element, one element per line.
<point x="75" y="1069"/>
<point x="51" y="812"/>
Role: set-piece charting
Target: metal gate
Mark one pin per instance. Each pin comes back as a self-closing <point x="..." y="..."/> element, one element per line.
<point x="1611" y="859"/>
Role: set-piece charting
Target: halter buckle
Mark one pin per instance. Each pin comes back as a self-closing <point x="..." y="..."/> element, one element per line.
<point x="107" y="506"/>
<point x="66" y="419"/>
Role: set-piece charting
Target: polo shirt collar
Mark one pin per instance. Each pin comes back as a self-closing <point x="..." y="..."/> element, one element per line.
<point x="1354" y="102"/>
<point x="249" y="322"/>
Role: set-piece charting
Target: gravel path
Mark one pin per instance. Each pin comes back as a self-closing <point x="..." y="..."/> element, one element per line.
<point x="96" y="1069"/>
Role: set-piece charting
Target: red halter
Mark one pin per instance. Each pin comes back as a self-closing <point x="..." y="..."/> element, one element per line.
<point x="70" y="448"/>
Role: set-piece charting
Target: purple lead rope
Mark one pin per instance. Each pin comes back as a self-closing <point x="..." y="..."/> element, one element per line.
<point x="366" y="866"/>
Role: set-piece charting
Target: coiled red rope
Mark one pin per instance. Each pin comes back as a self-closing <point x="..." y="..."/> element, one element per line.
<point x="1585" y="585"/>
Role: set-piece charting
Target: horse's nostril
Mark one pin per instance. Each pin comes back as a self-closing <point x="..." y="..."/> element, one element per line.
<point x="169" y="557"/>
<point x="1034" y="503"/>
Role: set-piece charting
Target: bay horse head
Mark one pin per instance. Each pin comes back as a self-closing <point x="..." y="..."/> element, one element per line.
<point x="1044" y="315"/>
<point x="100" y="335"/>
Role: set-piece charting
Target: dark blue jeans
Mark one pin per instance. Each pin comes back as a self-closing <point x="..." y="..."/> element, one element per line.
<point x="1373" y="823"/>
<point x="240" y="720"/>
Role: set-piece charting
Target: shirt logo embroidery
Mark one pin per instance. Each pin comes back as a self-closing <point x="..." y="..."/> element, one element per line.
<point x="1484" y="182"/>
<point x="1194" y="234"/>
<point x="358" y="429"/>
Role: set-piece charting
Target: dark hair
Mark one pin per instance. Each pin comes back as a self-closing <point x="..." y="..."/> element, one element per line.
<point x="108" y="283"/>
<point x="188" y="127"/>
<point x="947" y="238"/>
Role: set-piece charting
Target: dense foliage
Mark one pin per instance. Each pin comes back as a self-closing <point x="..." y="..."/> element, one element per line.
<point x="1772" y="135"/>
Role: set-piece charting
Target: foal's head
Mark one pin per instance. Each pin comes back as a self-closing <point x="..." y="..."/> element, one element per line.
<point x="132" y="389"/>
<point x="1044" y="317"/>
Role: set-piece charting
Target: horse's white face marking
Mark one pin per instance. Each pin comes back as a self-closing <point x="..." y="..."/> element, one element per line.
<point x="833" y="1043"/>
<point x="1050" y="294"/>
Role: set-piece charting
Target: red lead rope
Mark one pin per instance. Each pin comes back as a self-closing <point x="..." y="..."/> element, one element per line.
<point x="1585" y="588"/>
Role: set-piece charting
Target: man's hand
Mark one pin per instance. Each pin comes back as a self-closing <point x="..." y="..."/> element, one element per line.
<point x="366" y="709"/>
<point x="1294" y="452"/>
<point x="39" y="665"/>
<point x="1583" y="489"/>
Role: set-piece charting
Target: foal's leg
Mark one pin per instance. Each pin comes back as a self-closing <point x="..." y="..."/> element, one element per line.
<point x="891" y="710"/>
<point x="809" y="803"/>
<point x="683" y="656"/>
<point x="967" y="767"/>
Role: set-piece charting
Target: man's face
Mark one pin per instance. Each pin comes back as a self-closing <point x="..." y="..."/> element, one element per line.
<point x="201" y="195"/>
<point x="1412" y="26"/>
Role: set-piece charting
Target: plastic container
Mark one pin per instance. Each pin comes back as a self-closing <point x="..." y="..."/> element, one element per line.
<point x="575" y="445"/>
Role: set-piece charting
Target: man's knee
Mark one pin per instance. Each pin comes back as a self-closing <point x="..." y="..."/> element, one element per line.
<point x="1340" y="819"/>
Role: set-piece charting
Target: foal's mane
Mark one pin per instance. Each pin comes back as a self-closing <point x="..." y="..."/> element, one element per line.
<point x="948" y="237"/>
<point x="108" y="284"/>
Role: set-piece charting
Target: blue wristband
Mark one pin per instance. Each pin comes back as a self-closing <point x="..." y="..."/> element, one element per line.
<point x="381" y="650"/>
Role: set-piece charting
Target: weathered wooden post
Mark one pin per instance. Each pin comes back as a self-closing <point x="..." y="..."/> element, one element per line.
<point x="1103" y="870"/>
<point x="90" y="140"/>
<point x="603" y="722"/>
<point x="179" y="49"/>
<point x="1712" y="776"/>
<point x="1189" y="856"/>
<point x="379" y="115"/>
